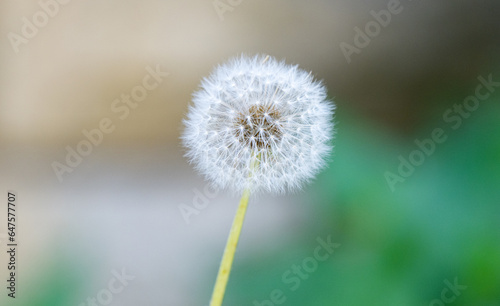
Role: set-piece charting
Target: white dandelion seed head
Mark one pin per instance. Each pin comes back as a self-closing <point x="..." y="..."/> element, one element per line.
<point x="260" y="124"/>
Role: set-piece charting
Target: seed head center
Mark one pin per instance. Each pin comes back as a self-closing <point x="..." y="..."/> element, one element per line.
<point x="259" y="127"/>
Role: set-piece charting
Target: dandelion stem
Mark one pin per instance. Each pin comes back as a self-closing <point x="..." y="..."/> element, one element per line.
<point x="227" y="258"/>
<point x="232" y="241"/>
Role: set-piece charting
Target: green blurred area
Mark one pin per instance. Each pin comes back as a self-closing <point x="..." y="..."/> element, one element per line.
<point x="439" y="227"/>
<point x="59" y="276"/>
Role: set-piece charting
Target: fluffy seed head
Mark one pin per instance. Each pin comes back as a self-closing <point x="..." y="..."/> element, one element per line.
<point x="261" y="124"/>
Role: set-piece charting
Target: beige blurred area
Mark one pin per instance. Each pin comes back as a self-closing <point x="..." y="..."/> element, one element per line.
<point x="66" y="77"/>
<point x="120" y="206"/>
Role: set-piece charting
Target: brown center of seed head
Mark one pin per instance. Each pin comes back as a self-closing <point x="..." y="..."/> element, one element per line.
<point x="259" y="126"/>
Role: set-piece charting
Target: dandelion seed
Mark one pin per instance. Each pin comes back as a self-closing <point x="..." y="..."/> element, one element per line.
<point x="249" y="107"/>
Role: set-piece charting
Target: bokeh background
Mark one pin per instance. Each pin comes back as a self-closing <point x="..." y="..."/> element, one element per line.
<point x="119" y="211"/>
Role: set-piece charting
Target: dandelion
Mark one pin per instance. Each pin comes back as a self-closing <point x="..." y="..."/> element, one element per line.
<point x="257" y="125"/>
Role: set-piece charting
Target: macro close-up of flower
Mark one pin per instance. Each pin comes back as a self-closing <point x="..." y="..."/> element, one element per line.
<point x="257" y="124"/>
<point x="260" y="124"/>
<point x="250" y="153"/>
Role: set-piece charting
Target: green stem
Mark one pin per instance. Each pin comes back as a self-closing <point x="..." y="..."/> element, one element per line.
<point x="227" y="258"/>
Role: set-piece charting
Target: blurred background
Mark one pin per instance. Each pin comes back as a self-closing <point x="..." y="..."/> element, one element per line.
<point x="129" y="222"/>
